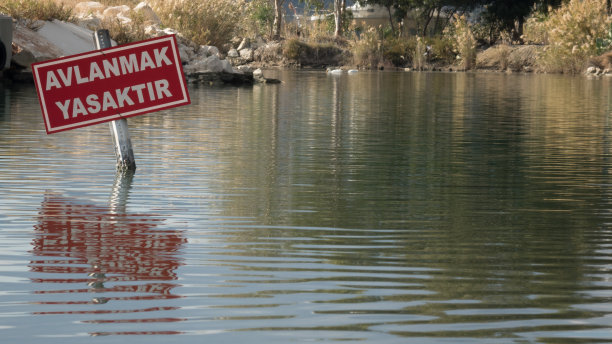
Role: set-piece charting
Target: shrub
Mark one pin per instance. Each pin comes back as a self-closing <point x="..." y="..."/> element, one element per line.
<point x="213" y="22"/>
<point x="367" y="51"/>
<point x="464" y="42"/>
<point x="399" y="51"/>
<point x="31" y="11"/>
<point x="442" y="50"/>
<point x="123" y="32"/>
<point x="312" y="53"/>
<point x="573" y="33"/>
<point x="419" y="59"/>
<point x="535" y="30"/>
<point x="262" y="16"/>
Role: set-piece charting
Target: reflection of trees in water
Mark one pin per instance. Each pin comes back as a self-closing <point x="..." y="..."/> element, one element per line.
<point x="115" y="256"/>
<point x="466" y="175"/>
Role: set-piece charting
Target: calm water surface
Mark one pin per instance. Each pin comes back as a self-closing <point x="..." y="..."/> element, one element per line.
<point x="370" y="208"/>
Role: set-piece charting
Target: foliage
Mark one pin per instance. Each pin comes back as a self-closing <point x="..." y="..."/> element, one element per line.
<point x="312" y="53"/>
<point x="212" y="22"/>
<point x="535" y="30"/>
<point x="573" y="33"/>
<point x="123" y="32"/>
<point x="464" y="42"/>
<point x="31" y="11"/>
<point x="347" y="18"/>
<point x="367" y="51"/>
<point x="262" y="15"/>
<point x="399" y="51"/>
<point x="441" y="51"/>
<point x="419" y="59"/>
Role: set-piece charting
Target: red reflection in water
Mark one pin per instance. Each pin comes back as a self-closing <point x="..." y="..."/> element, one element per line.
<point x="116" y="257"/>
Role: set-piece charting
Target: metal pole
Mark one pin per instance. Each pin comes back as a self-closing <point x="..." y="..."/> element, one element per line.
<point x="118" y="128"/>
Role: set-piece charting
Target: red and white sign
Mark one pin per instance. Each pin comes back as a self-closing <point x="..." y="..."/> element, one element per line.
<point x="106" y="85"/>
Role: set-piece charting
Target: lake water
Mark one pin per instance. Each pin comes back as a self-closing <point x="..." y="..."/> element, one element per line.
<point x="379" y="207"/>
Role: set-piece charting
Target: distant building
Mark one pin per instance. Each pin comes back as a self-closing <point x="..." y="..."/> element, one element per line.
<point x="369" y="15"/>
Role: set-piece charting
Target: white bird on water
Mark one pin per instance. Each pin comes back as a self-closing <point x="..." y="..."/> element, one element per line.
<point x="334" y="71"/>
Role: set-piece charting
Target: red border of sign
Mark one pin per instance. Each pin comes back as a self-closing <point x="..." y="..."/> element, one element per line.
<point x="185" y="100"/>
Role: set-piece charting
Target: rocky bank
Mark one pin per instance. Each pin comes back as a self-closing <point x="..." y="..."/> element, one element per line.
<point x="53" y="39"/>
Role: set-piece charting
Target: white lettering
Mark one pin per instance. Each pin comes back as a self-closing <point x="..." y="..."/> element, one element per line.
<point x="52" y="81"/>
<point x="78" y="107"/>
<point x="146" y="61"/>
<point x="94" y="104"/>
<point x="108" y="101"/>
<point x="79" y="78"/>
<point x="150" y="89"/>
<point x="122" y="97"/>
<point x="162" y="87"/>
<point x="160" y="56"/>
<point x="64" y="108"/>
<point x="111" y="68"/>
<point x="95" y="72"/>
<point x="66" y="78"/>
<point x="138" y="88"/>
<point x="128" y="66"/>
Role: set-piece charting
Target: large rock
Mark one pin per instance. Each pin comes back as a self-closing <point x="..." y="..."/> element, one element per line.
<point x="90" y="22"/>
<point x="211" y="64"/>
<point x="30" y="47"/>
<point x="186" y="53"/>
<point x="208" y="50"/>
<point x="246" y="43"/>
<point x="148" y="14"/>
<point x="246" y="54"/>
<point x="227" y="66"/>
<point x="115" y="11"/>
<point x="83" y="9"/>
<point x="69" y="38"/>
<point x="233" y="53"/>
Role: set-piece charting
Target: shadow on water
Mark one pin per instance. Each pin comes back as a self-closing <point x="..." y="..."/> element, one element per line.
<point x="103" y="259"/>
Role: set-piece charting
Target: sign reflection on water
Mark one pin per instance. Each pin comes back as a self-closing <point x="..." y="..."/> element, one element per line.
<point x="114" y="257"/>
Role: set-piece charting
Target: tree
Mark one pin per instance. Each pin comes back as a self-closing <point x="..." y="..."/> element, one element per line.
<point x="278" y="17"/>
<point x="425" y="10"/>
<point x="511" y="14"/>
<point x="339" y="11"/>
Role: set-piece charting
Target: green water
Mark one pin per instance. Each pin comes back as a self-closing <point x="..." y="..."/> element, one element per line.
<point x="379" y="207"/>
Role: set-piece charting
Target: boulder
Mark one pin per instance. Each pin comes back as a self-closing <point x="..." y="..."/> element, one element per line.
<point x="208" y="50"/>
<point x="69" y="38"/>
<point x="148" y="14"/>
<point x="233" y="53"/>
<point x="211" y="63"/>
<point x="259" y="77"/>
<point x="29" y="47"/>
<point x="84" y="9"/>
<point x="243" y="69"/>
<point x="227" y="67"/>
<point x="246" y="54"/>
<point x="246" y="43"/>
<point x="186" y="53"/>
<point x="114" y="11"/>
<point x="90" y="22"/>
<point x="23" y="58"/>
<point x="603" y="61"/>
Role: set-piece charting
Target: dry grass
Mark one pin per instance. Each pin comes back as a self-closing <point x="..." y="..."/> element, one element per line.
<point x="32" y="11"/>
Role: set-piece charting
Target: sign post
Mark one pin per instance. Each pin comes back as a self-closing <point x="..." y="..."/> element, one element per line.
<point x="118" y="128"/>
<point x="109" y="85"/>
